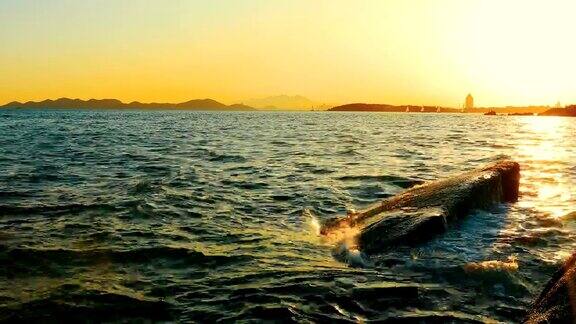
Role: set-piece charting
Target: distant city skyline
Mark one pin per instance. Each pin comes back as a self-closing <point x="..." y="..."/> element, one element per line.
<point x="395" y="52"/>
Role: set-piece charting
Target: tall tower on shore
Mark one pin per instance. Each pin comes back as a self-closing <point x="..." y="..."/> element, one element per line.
<point x="469" y="102"/>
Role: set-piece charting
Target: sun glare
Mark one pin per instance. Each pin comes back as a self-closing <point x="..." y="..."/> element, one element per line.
<point x="549" y="131"/>
<point x="397" y="52"/>
<point x="550" y="127"/>
<point x="543" y="134"/>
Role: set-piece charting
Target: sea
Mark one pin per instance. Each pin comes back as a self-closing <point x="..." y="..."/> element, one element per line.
<point x="203" y="217"/>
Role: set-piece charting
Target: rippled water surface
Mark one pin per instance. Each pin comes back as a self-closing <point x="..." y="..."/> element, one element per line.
<point x="204" y="216"/>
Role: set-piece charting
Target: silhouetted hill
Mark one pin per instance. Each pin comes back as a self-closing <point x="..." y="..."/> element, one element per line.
<point x="241" y="107"/>
<point x="66" y="103"/>
<point x="391" y="108"/>
<point x="569" y="111"/>
<point x="204" y="103"/>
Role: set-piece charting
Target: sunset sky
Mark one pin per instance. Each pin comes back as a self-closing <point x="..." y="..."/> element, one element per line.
<point x="400" y="52"/>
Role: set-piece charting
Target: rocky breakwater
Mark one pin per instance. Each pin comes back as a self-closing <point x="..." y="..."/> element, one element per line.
<point x="424" y="211"/>
<point x="557" y="301"/>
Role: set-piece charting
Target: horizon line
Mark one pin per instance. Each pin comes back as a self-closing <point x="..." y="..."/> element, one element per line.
<point x="242" y="103"/>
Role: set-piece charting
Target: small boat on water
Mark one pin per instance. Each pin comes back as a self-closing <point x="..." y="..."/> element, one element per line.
<point x="490" y="113"/>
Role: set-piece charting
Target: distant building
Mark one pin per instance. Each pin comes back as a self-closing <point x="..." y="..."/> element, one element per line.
<point x="469" y="102"/>
<point x="558" y="105"/>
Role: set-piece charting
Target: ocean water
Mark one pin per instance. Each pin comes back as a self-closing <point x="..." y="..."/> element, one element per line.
<point x="212" y="216"/>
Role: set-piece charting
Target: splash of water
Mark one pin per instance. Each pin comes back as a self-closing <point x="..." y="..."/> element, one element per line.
<point x="344" y="240"/>
<point x="312" y="222"/>
<point x="510" y="265"/>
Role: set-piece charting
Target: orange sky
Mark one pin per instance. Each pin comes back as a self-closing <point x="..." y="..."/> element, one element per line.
<point x="505" y="52"/>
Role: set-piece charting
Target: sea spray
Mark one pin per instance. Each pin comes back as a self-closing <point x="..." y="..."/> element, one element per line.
<point x="346" y="248"/>
<point x="499" y="277"/>
<point x="312" y="222"/>
<point x="351" y="255"/>
<point x="511" y="264"/>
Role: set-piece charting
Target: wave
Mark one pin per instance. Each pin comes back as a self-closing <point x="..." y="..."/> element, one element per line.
<point x="154" y="169"/>
<point x="245" y="184"/>
<point x="264" y="313"/>
<point x="492" y="266"/>
<point x="282" y="143"/>
<point x="75" y="303"/>
<point x="20" y="261"/>
<point x="395" y="180"/>
<point x="51" y="209"/>
<point x="436" y="317"/>
<point x="281" y="197"/>
<point x="349" y="152"/>
<point x="15" y="194"/>
<point x="143" y="186"/>
<point x="225" y="158"/>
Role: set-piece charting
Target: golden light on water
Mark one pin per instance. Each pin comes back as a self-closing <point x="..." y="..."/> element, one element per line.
<point x="554" y="191"/>
<point x="543" y="174"/>
<point x="549" y="127"/>
<point x="510" y="265"/>
<point x="542" y="135"/>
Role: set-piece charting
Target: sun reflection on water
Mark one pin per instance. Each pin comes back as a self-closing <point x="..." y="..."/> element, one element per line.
<point x="543" y="183"/>
<point x="545" y="133"/>
<point x="547" y="125"/>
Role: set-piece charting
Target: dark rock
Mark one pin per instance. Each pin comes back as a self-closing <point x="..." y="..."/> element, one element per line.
<point x="557" y="301"/>
<point x="426" y="210"/>
<point x="402" y="227"/>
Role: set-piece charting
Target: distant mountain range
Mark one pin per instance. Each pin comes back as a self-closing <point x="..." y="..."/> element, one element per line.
<point x="66" y="103"/>
<point x="285" y="102"/>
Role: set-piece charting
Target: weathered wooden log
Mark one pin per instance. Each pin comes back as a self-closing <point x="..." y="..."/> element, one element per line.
<point x="423" y="211"/>
<point x="557" y="301"/>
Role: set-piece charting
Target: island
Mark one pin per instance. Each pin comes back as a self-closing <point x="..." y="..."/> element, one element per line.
<point x="392" y="108"/>
<point x="510" y="110"/>
<point x="67" y="103"/>
<point x="569" y="111"/>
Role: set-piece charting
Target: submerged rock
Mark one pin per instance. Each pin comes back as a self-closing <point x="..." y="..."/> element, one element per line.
<point x="557" y="301"/>
<point x="426" y="210"/>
